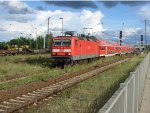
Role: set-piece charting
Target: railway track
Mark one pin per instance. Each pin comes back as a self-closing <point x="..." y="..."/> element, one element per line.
<point x="20" y="102"/>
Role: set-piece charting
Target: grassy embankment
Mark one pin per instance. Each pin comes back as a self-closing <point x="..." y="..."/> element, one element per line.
<point x="34" y="68"/>
<point x="17" y="66"/>
<point x="90" y="95"/>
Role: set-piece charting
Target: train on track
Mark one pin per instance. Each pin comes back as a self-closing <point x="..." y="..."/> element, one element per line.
<point x="71" y="49"/>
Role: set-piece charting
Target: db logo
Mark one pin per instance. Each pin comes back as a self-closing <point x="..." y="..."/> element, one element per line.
<point x="61" y="50"/>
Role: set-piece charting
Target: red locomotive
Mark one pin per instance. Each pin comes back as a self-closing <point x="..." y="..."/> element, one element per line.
<point x="70" y="48"/>
<point x="66" y="49"/>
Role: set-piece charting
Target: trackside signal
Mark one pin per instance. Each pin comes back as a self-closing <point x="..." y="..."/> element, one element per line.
<point x="120" y="37"/>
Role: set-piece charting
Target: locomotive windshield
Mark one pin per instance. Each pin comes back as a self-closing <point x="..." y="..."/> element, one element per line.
<point x="62" y="42"/>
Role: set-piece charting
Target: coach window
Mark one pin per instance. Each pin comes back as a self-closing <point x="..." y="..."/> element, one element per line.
<point x="117" y="48"/>
<point x="102" y="48"/>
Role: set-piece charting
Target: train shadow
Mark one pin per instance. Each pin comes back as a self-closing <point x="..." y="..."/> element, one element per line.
<point x="41" y="61"/>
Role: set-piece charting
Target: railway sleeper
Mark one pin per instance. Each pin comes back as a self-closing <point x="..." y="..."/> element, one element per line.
<point x="36" y="95"/>
<point x="53" y="89"/>
<point x="5" y="106"/>
<point x="44" y="90"/>
<point x="62" y="82"/>
<point x="14" y="104"/>
<point x="55" y="86"/>
<point x="40" y="92"/>
<point x="23" y="98"/>
<point x="2" y="110"/>
<point x="27" y="96"/>
<point x="16" y="100"/>
<point x="11" y="105"/>
<point x="5" y="102"/>
<point x="48" y="90"/>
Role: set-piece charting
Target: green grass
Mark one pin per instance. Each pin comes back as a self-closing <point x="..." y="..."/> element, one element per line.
<point x="90" y="95"/>
<point x="35" y="68"/>
<point x="16" y="66"/>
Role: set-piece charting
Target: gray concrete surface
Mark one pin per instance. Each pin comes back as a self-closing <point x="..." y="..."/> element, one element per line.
<point x="145" y="105"/>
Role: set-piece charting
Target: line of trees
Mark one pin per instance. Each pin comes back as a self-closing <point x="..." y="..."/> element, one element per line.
<point x="23" y="42"/>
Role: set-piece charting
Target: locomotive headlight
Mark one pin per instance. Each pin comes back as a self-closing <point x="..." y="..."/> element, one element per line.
<point x="67" y="50"/>
<point x="68" y="53"/>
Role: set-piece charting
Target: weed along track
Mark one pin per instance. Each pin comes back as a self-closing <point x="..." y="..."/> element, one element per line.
<point x="18" y="102"/>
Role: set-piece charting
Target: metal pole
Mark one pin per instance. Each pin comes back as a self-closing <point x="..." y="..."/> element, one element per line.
<point x="145" y="36"/>
<point x="62" y="26"/>
<point x="48" y="25"/>
<point x="62" y="29"/>
<point x="36" y="38"/>
<point x="30" y="41"/>
<point x="140" y="44"/>
<point x="48" y="33"/>
<point x="44" y="44"/>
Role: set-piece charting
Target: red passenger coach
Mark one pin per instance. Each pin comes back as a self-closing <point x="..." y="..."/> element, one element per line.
<point x="117" y="48"/>
<point x="67" y="49"/>
<point x="124" y="49"/>
<point x="102" y="47"/>
<point x="110" y="50"/>
<point x="105" y="48"/>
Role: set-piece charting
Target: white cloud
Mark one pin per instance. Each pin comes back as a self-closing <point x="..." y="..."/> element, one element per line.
<point x="131" y="31"/>
<point x="144" y="14"/>
<point x="129" y="35"/>
<point x="144" y="11"/>
<point x="17" y="4"/>
<point x="16" y="7"/>
<point x="73" y="21"/>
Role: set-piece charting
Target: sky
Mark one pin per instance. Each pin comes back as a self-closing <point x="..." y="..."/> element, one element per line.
<point x="25" y="18"/>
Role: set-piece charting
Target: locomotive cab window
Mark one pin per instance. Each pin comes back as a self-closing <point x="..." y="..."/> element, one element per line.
<point x="66" y="42"/>
<point x="57" y="42"/>
<point x="62" y="42"/>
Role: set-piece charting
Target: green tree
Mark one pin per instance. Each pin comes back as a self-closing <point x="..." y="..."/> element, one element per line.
<point x="40" y="42"/>
<point x="48" y="41"/>
<point x="14" y="42"/>
<point x="23" y="41"/>
<point x="3" y="46"/>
